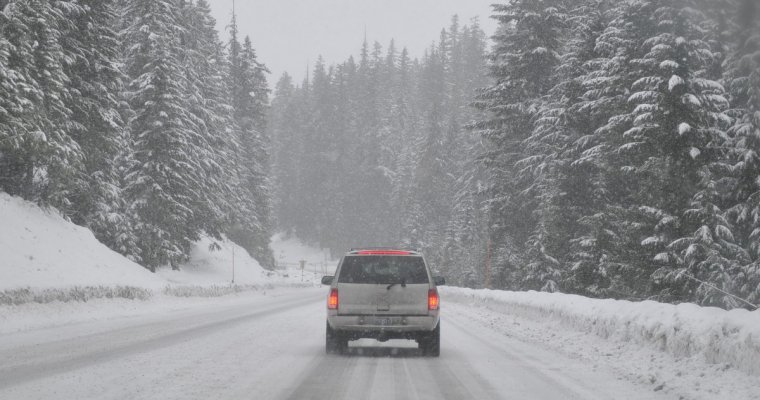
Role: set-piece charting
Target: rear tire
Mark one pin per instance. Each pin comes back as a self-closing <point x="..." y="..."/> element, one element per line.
<point x="430" y="344"/>
<point x="334" y="342"/>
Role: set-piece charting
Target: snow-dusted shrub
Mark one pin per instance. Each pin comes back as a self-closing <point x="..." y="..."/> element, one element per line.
<point x="221" y="290"/>
<point x="684" y="330"/>
<point x="211" y="291"/>
<point x="72" y="294"/>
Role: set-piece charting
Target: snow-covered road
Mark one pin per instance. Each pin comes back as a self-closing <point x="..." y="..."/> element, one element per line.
<point x="272" y="347"/>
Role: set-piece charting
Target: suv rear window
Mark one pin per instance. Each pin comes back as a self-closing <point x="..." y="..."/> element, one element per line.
<point x="383" y="270"/>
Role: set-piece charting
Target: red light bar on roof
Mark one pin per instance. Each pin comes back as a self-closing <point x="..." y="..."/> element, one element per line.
<point x="383" y="253"/>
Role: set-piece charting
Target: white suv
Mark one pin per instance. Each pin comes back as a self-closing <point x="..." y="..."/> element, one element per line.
<point x="383" y="294"/>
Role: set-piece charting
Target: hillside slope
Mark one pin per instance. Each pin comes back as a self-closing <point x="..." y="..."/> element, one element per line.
<point x="42" y="251"/>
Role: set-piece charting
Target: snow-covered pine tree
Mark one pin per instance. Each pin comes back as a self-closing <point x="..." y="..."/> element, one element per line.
<point x="165" y="178"/>
<point x="205" y="67"/>
<point x="284" y="151"/>
<point x="522" y="63"/>
<point x="466" y="241"/>
<point x="404" y="122"/>
<point x="343" y="156"/>
<point x="247" y="83"/>
<point x="388" y="137"/>
<point x="675" y="136"/>
<point x="21" y="137"/>
<point x="315" y="206"/>
<point x="290" y="117"/>
<point x="44" y="162"/>
<point x="562" y="129"/>
<point x="432" y="179"/>
<point x="606" y="257"/>
<point x="95" y="84"/>
<point x="743" y="83"/>
<point x="543" y="168"/>
<point x="60" y="164"/>
<point x="300" y="120"/>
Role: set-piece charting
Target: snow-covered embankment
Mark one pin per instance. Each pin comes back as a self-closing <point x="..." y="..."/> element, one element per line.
<point x="44" y="258"/>
<point x="683" y="331"/>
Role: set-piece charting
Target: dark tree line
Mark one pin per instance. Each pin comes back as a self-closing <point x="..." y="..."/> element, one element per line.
<point x="371" y="151"/>
<point x="133" y="118"/>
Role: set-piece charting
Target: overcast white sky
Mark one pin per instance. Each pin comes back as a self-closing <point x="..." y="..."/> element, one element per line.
<point x="288" y="34"/>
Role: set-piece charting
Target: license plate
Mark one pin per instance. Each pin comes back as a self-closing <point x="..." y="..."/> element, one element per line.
<point x="386" y="321"/>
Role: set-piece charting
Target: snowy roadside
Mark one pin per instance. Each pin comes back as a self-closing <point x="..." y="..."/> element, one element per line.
<point x="691" y="351"/>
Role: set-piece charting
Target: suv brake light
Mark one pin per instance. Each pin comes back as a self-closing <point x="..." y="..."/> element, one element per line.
<point x="332" y="300"/>
<point x="433" y="299"/>
<point x="383" y="253"/>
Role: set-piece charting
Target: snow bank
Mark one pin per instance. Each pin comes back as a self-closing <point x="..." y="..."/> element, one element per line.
<point x="45" y="258"/>
<point x="684" y="330"/>
<point x="39" y="249"/>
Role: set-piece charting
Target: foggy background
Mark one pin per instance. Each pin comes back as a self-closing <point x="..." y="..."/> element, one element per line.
<point x="289" y="34"/>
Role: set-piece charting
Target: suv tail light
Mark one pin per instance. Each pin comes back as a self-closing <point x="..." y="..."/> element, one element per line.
<point x="384" y="253"/>
<point x="332" y="300"/>
<point x="433" y="299"/>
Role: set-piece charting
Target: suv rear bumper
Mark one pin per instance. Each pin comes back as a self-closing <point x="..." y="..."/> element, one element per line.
<point x="382" y="325"/>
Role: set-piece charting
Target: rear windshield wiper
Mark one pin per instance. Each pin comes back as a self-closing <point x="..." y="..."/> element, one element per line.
<point x="403" y="284"/>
